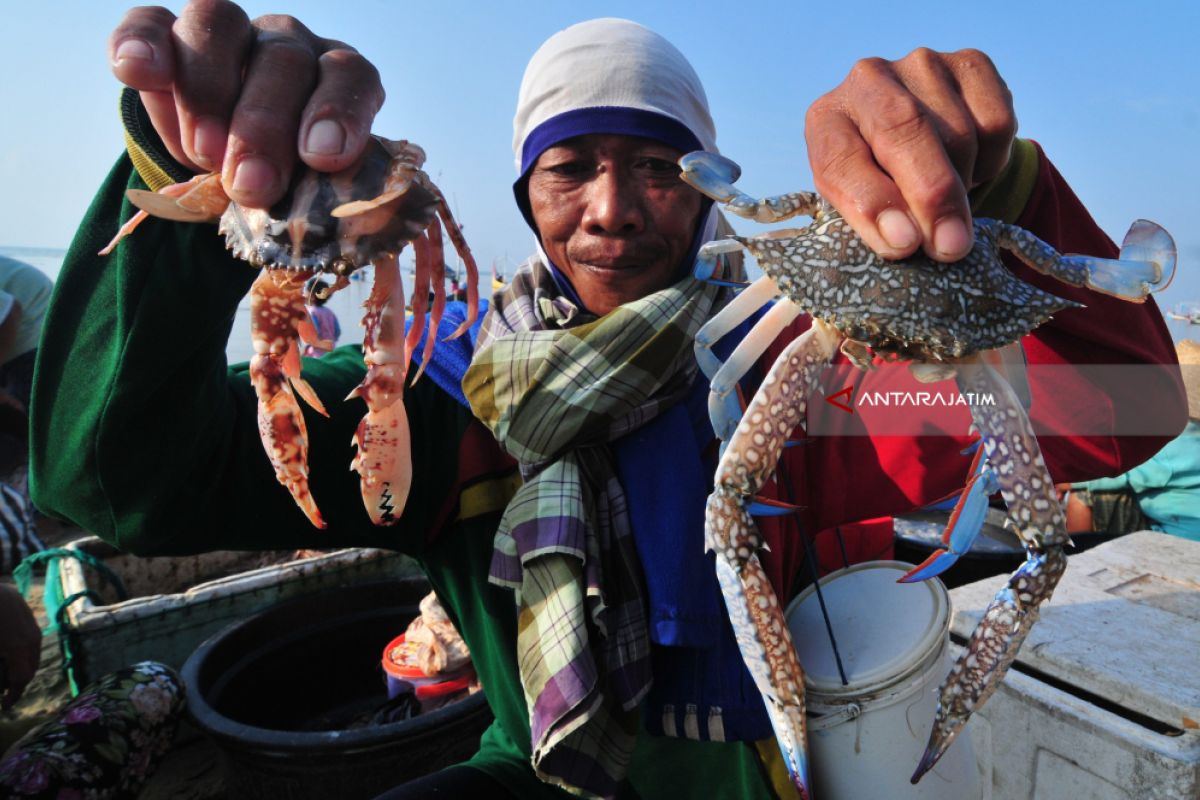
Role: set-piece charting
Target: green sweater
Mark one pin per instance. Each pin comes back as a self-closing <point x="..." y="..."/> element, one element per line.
<point x="142" y="435"/>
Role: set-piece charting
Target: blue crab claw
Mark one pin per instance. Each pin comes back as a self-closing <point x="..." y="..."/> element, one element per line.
<point x="766" y="507"/>
<point x="1146" y="264"/>
<point x="759" y="626"/>
<point x="1149" y="242"/>
<point x="725" y="412"/>
<point x="966" y="521"/>
<point x="712" y="174"/>
<point x="993" y="646"/>
<point x="708" y="262"/>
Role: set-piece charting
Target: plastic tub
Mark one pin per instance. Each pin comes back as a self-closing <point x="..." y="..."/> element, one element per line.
<point x="425" y="686"/>
<point x="276" y="692"/>
<point x="866" y="737"/>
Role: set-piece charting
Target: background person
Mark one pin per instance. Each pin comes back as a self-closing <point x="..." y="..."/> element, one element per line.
<point x="323" y="318"/>
<point x="133" y="424"/>
<point x="18" y="530"/>
<point x="104" y="743"/>
<point x="1162" y="493"/>
<point x="29" y="289"/>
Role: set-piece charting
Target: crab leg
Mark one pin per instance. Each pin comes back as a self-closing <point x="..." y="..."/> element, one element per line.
<point x="723" y="408"/>
<point x="730" y="532"/>
<point x="1029" y="493"/>
<point x="277" y="314"/>
<point x="966" y="521"/>
<point x="464" y="252"/>
<point x="420" y="296"/>
<point x="744" y="303"/>
<point x="437" y="279"/>
<point x="384" y="460"/>
<point x="200" y="199"/>
<point x="714" y="175"/>
<point x="1146" y="263"/>
<point x="431" y="275"/>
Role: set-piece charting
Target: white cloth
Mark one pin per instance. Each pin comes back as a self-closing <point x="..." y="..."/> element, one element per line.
<point x="610" y="62"/>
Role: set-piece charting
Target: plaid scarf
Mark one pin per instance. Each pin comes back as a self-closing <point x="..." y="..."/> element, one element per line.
<point x="556" y="386"/>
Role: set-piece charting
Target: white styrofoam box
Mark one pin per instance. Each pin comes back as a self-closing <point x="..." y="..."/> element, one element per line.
<point x="177" y="602"/>
<point x="1103" y="702"/>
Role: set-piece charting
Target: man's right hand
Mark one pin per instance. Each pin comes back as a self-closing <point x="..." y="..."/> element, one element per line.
<point x="248" y="98"/>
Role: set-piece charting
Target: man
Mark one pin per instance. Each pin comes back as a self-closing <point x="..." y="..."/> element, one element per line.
<point x="24" y="295"/>
<point x="164" y="456"/>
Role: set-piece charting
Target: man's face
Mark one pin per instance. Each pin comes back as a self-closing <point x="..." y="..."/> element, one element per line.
<point x="613" y="215"/>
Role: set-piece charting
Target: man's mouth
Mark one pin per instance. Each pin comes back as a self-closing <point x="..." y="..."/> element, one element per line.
<point x="615" y="262"/>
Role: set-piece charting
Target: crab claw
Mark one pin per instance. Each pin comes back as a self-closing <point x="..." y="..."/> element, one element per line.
<point x="759" y="627"/>
<point x="283" y="432"/>
<point x="966" y="521"/>
<point x="708" y="262"/>
<point x="384" y="459"/>
<point x="1146" y="264"/>
<point x="713" y="175"/>
<point x="1149" y="243"/>
<point x="993" y="646"/>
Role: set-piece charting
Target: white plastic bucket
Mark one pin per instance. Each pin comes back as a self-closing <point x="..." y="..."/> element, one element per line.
<point x="866" y="738"/>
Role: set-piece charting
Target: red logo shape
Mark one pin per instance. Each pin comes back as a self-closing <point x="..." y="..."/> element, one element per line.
<point x="848" y="394"/>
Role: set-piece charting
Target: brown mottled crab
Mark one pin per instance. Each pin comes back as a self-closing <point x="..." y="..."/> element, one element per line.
<point x="334" y="223"/>
<point x="941" y="317"/>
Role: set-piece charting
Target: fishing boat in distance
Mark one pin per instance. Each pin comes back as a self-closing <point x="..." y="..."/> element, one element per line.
<point x="1187" y="312"/>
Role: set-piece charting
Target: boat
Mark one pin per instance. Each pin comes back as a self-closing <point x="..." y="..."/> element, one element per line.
<point x="1186" y="312"/>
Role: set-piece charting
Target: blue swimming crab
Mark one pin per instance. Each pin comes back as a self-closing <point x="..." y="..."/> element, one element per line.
<point x="944" y="318"/>
<point x="335" y="223"/>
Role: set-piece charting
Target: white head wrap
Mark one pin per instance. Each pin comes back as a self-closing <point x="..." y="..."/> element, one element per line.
<point x="609" y="64"/>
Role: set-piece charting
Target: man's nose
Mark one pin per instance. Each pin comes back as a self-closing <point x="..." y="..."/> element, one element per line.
<point x="613" y="205"/>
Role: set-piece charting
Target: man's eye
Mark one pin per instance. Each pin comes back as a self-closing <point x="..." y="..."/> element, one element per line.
<point x="660" y="166"/>
<point x="568" y="168"/>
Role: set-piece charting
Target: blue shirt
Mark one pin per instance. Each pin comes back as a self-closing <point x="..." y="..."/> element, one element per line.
<point x="1167" y="487"/>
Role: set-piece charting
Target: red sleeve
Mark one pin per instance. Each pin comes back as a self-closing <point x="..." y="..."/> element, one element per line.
<point x="855" y="476"/>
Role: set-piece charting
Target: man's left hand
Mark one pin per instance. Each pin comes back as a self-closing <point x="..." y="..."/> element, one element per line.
<point x="897" y="146"/>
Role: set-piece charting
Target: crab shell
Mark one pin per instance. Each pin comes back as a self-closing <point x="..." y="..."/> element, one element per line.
<point x="396" y="203"/>
<point x="917" y="309"/>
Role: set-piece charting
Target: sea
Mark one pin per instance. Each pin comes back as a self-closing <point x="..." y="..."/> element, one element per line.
<point x="347" y="303"/>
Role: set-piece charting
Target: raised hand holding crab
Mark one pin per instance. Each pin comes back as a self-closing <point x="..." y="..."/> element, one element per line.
<point x="239" y="101"/>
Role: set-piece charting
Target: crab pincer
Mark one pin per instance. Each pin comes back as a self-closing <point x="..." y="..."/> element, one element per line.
<point x="383" y="459"/>
<point x="278" y="315"/>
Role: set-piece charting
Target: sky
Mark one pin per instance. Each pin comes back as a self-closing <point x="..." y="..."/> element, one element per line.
<point x="1110" y="92"/>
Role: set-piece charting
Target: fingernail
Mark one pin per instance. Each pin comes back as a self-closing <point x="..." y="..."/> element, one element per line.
<point x="134" y="49"/>
<point x="897" y="229"/>
<point x="208" y="140"/>
<point x="951" y="238"/>
<point x="325" y="138"/>
<point x="255" y="175"/>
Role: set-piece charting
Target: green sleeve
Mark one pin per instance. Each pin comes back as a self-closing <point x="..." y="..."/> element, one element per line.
<point x="140" y="432"/>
